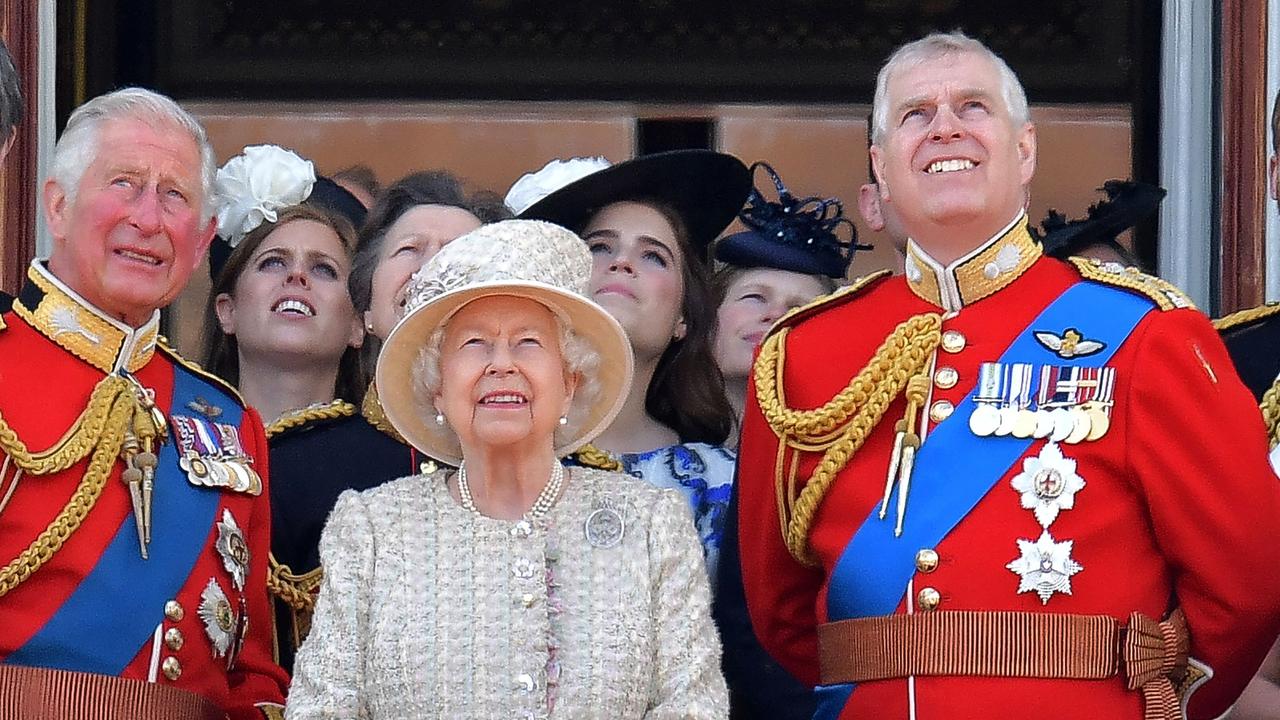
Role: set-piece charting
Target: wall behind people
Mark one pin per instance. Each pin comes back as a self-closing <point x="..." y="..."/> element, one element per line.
<point x="820" y="149"/>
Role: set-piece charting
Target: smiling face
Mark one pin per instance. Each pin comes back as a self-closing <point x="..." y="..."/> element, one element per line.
<point x="952" y="161"/>
<point x="291" y="300"/>
<point x="134" y="233"/>
<point x="752" y="303"/>
<point x="502" y="376"/>
<point x="636" y="274"/>
<point x="409" y="243"/>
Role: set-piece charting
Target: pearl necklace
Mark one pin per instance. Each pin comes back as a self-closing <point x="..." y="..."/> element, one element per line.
<point x="541" y="505"/>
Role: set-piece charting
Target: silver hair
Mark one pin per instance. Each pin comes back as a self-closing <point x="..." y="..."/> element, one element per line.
<point x="932" y="47"/>
<point x="579" y="356"/>
<point x="78" y="146"/>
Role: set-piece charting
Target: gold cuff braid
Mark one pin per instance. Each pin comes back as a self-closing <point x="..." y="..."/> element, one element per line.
<point x="100" y="429"/>
<point x="838" y="428"/>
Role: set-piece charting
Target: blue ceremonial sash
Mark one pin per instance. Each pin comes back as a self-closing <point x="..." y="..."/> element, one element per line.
<point x="954" y="469"/>
<point x="115" y="610"/>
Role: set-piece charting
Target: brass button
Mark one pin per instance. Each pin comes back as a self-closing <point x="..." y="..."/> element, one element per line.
<point x="171" y="668"/>
<point x="946" y="378"/>
<point x="527" y="600"/>
<point x="173" y="611"/>
<point x="928" y="599"/>
<point x="173" y="639"/>
<point x="525" y="683"/>
<point x="953" y="341"/>
<point x="927" y="560"/>
<point x="941" y="410"/>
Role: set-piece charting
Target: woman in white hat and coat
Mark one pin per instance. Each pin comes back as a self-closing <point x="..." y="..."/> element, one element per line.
<point x="513" y="587"/>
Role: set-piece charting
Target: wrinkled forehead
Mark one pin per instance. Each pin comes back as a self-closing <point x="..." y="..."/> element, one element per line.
<point x="153" y="146"/>
<point x="963" y="72"/>
<point x="507" y="310"/>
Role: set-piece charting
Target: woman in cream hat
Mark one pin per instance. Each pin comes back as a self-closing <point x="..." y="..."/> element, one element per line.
<point x="513" y="587"/>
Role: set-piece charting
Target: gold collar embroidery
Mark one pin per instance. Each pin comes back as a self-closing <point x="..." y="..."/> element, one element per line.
<point x="986" y="270"/>
<point x="372" y="411"/>
<point x="81" y="329"/>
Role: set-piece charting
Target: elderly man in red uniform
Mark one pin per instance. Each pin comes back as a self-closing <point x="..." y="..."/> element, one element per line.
<point x="134" y="526"/>
<point x="1001" y="486"/>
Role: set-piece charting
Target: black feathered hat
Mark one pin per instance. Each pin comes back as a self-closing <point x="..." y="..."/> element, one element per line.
<point x="791" y="233"/>
<point x="1128" y="203"/>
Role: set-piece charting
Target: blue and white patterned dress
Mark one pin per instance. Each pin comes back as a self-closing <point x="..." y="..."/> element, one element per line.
<point x="703" y="472"/>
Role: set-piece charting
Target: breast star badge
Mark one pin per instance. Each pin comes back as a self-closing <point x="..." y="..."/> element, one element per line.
<point x="219" y="618"/>
<point x="1045" y="567"/>
<point x="1048" y="484"/>
<point x="233" y="549"/>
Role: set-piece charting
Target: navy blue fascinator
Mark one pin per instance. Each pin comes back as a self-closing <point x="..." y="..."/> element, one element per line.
<point x="800" y="235"/>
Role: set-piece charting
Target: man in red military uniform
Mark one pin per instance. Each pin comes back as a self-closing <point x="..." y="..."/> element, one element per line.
<point x="1001" y="485"/>
<point x="134" y="526"/>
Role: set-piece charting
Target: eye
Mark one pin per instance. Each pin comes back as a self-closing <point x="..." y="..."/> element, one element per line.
<point x="656" y="258"/>
<point x="122" y="181"/>
<point x="753" y="297"/>
<point x="326" y="270"/>
<point x="975" y="106"/>
<point x="271" y="262"/>
<point x="407" y="248"/>
<point x="913" y="114"/>
<point x="472" y="341"/>
<point x="530" y="340"/>
<point x="176" y="194"/>
<point x="598" y="247"/>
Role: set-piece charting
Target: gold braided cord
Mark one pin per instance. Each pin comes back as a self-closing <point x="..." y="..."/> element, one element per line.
<point x="1165" y="294"/>
<point x="593" y="457"/>
<point x="296" y="591"/>
<point x="1245" y="317"/>
<point x="78" y="441"/>
<point x="297" y="418"/>
<point x="106" y="449"/>
<point x="1271" y="412"/>
<point x="840" y="427"/>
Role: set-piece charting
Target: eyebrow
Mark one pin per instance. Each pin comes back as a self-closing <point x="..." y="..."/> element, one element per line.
<point x="966" y="93"/>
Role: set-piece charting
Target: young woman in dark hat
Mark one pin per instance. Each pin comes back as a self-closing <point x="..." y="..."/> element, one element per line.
<point x="791" y="253"/>
<point x="649" y="223"/>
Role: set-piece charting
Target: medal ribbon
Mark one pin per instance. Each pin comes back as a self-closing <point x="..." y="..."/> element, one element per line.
<point x="93" y="631"/>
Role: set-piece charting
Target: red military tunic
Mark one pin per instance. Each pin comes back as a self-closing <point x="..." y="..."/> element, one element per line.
<point x="1178" y="506"/>
<point x="54" y="350"/>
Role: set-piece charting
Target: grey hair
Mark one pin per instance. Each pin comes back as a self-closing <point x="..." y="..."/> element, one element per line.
<point x="932" y="47"/>
<point x="78" y="146"/>
<point x="10" y="95"/>
<point x="579" y="356"/>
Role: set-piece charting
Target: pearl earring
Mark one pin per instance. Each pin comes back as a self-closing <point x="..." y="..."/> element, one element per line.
<point x="564" y="420"/>
<point x="440" y="419"/>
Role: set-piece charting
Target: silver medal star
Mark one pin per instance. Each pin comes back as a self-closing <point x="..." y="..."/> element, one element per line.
<point x="1048" y="484"/>
<point x="1045" y="566"/>
<point x="233" y="549"/>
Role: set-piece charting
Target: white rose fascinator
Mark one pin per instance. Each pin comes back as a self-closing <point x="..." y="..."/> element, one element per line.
<point x="532" y="187"/>
<point x="252" y="187"/>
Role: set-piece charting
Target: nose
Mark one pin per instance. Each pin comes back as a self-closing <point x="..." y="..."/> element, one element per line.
<point x="500" y="361"/>
<point x="946" y="126"/>
<point x="772" y="312"/>
<point x="296" y="276"/>
<point x="146" y="213"/>
<point x="622" y="263"/>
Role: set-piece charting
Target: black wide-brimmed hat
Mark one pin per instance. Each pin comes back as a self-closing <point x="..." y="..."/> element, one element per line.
<point x="1128" y="203"/>
<point x="705" y="188"/>
<point x="795" y="234"/>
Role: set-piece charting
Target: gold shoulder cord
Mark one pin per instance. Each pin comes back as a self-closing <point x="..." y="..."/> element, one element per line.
<point x="297" y="418"/>
<point x="296" y="591"/>
<point x="593" y="457"/>
<point x="840" y="427"/>
<point x="1245" y="317"/>
<point x="112" y="411"/>
<point x="1271" y="412"/>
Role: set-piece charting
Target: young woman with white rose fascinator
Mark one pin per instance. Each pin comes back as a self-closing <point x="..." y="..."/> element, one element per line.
<point x="280" y="326"/>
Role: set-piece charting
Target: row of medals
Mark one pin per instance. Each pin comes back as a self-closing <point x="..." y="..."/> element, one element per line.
<point x="1061" y="414"/>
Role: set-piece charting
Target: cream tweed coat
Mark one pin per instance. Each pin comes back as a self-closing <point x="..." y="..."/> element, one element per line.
<point x="431" y="611"/>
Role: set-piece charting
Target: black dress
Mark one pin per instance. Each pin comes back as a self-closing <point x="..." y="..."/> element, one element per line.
<point x="315" y="455"/>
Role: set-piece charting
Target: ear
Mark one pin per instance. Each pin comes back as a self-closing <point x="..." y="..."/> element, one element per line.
<point x="877" y="167"/>
<point x="224" y="306"/>
<point x="1027" y="153"/>
<point x="356" y="338"/>
<point x="203" y="240"/>
<point x="1273" y="170"/>
<point x="56" y="209"/>
<point x="682" y="329"/>
<point x="571" y="381"/>
<point x="869" y="206"/>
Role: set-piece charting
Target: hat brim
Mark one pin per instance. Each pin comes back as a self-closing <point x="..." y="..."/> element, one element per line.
<point x="705" y="188"/>
<point x="752" y="250"/>
<point x="404" y="344"/>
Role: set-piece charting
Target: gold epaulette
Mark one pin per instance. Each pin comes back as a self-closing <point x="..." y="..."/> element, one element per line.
<point x="822" y="302"/>
<point x="1270" y="406"/>
<point x="297" y="418"/>
<point x="593" y="457"/>
<point x="162" y="343"/>
<point x="1164" y="293"/>
<point x="296" y="591"/>
<point x="1247" y="316"/>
